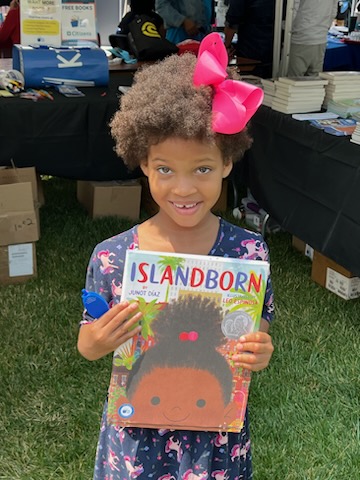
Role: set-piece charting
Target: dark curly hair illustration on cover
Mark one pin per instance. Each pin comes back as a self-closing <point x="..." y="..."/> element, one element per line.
<point x="183" y="379"/>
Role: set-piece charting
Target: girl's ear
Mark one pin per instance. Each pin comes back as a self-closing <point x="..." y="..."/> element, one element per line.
<point x="144" y="167"/>
<point x="227" y="169"/>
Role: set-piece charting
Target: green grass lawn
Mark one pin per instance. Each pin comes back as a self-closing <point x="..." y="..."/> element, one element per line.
<point x="304" y="409"/>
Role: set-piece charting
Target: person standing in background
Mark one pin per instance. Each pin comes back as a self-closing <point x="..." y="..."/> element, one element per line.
<point x="186" y="18"/>
<point x="141" y="7"/>
<point x="10" y="29"/>
<point x="253" y="21"/>
<point x="311" y="22"/>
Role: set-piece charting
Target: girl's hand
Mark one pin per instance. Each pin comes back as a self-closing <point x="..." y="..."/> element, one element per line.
<point x="254" y="351"/>
<point x="111" y="330"/>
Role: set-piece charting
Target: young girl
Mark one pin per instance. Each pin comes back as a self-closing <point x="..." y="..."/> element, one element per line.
<point x="184" y="123"/>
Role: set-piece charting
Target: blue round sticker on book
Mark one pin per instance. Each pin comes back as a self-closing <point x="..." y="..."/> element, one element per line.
<point x="126" y="410"/>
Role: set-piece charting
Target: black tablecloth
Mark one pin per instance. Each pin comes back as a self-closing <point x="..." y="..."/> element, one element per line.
<point x="309" y="181"/>
<point x="66" y="137"/>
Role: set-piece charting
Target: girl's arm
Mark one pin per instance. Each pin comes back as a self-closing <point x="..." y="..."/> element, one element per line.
<point x="106" y="334"/>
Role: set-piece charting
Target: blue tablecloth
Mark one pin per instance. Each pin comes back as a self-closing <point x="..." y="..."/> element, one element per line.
<point x="341" y="56"/>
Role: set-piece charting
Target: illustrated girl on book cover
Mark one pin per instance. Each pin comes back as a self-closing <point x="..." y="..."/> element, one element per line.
<point x="183" y="379"/>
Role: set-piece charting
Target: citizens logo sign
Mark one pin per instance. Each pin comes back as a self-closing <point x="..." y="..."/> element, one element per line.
<point x="150" y="30"/>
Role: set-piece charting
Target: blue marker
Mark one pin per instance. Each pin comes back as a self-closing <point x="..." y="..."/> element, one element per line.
<point x="94" y="303"/>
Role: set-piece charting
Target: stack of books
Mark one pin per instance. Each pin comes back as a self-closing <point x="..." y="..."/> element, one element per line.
<point x="344" y="108"/>
<point x="268" y="85"/>
<point x="299" y="94"/>
<point x="355" y="137"/>
<point x="356" y="116"/>
<point x="341" y="85"/>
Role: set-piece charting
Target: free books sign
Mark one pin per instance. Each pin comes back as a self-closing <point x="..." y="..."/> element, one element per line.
<point x="55" y="22"/>
<point x="78" y="22"/>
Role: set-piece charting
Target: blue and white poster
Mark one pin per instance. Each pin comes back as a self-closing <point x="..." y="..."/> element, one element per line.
<point x="78" y="23"/>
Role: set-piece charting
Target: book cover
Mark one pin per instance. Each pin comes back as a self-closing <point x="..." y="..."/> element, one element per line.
<point x="178" y="372"/>
<point x="336" y="126"/>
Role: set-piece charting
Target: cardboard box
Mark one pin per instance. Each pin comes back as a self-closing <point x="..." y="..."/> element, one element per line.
<point x="151" y="207"/>
<point x="18" y="218"/>
<point x="302" y="247"/>
<point x="20" y="175"/>
<point x="101" y="199"/>
<point x="334" y="277"/>
<point x="17" y="263"/>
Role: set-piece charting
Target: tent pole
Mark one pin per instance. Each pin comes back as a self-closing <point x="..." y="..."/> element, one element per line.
<point x="284" y="63"/>
<point x="277" y="38"/>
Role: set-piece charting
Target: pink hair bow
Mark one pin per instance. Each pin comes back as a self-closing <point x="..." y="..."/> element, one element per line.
<point x="234" y="102"/>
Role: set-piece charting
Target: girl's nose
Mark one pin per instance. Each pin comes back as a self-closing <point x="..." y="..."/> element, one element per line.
<point x="184" y="186"/>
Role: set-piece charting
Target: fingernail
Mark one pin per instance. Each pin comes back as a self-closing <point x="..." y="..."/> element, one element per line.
<point x="242" y="339"/>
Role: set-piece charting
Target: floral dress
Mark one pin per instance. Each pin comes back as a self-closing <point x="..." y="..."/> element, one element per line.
<point x="128" y="453"/>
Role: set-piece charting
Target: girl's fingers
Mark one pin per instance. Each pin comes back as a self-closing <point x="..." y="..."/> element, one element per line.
<point x="252" y="362"/>
<point x="118" y="312"/>
<point x="258" y="348"/>
<point x="124" y="326"/>
<point x="257" y="337"/>
<point x="126" y="336"/>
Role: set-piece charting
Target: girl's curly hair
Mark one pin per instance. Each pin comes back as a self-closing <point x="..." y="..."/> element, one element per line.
<point x="163" y="103"/>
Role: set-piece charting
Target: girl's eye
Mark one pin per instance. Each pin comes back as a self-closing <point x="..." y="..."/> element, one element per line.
<point x="164" y="170"/>
<point x="204" y="169"/>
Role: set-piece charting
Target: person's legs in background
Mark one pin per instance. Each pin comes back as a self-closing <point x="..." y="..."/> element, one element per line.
<point x="298" y="60"/>
<point x="306" y="60"/>
<point x="317" y="60"/>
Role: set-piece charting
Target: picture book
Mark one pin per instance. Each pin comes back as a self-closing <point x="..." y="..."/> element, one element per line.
<point x="178" y="372"/>
<point x="336" y="126"/>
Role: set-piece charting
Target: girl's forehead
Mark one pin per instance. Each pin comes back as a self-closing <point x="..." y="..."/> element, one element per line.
<point x="173" y="149"/>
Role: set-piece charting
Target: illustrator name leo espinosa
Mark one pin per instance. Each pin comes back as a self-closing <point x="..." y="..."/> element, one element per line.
<point x="195" y="277"/>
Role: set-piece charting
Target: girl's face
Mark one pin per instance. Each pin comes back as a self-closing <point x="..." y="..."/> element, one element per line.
<point x="185" y="179"/>
<point x="179" y="396"/>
